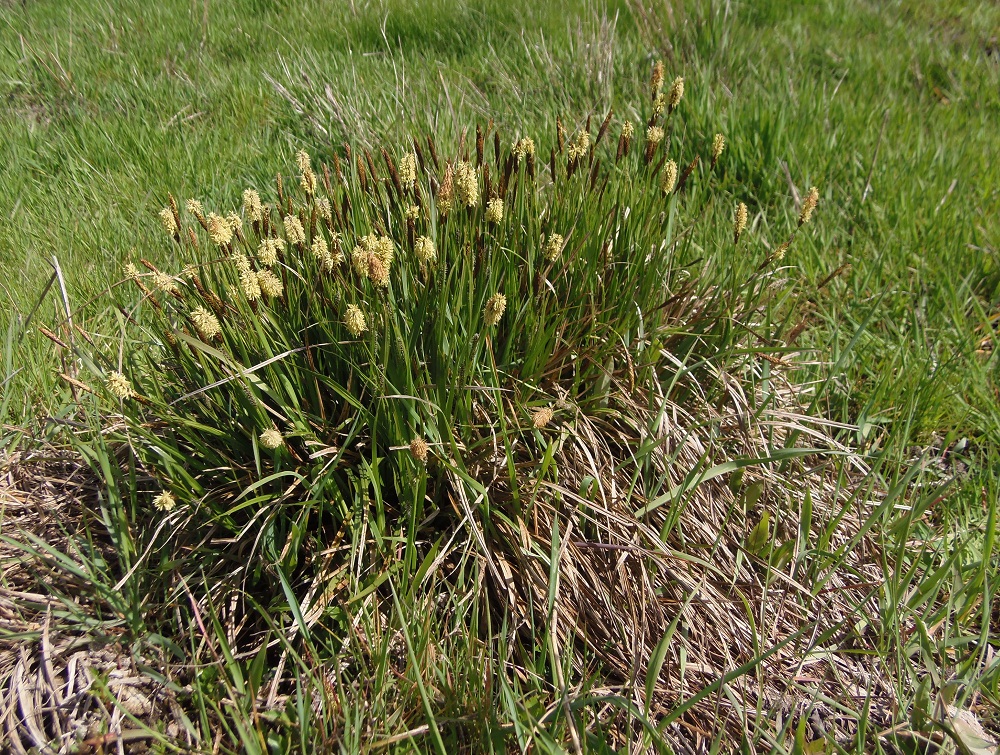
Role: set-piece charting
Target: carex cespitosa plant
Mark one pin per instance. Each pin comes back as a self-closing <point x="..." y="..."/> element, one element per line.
<point x="341" y="343"/>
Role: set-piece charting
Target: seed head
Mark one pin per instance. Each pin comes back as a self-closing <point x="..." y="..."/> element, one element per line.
<point x="269" y="250"/>
<point x="169" y="222"/>
<point x="412" y="212"/>
<point x="307" y="178"/>
<point x="578" y="148"/>
<point x="378" y="271"/>
<point x="553" y="247"/>
<point x="494" y="309"/>
<point x="466" y="184"/>
<point x="425" y="251"/>
<point x="294" y="231"/>
<point x="676" y="92"/>
<point x="219" y="230"/>
<point x="235" y="222"/>
<point x="252" y="205"/>
<point x="808" y="205"/>
<point x="718" y="144"/>
<point x="319" y="248"/>
<point x="131" y="271"/>
<point x="419" y="449"/>
<point x="250" y="284"/>
<point x="270" y="284"/>
<point x="446" y="192"/>
<point x="271" y="439"/>
<point x="740" y="222"/>
<point x="779" y="253"/>
<point x="165" y="282"/>
<point x="654" y="135"/>
<point x="408" y="170"/>
<point x="120" y="386"/>
<point x="628" y="131"/>
<point x="354" y="321"/>
<point x="195" y="208"/>
<point x="494" y="210"/>
<point x="205" y="323"/>
<point x="164" y="501"/>
<point x="541" y="418"/>
<point x="669" y="179"/>
<point x="656" y="80"/>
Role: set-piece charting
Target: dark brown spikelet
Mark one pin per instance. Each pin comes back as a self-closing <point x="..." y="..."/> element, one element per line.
<point x="434" y="154"/>
<point x="345" y="209"/>
<point x="193" y="238"/>
<point x="496" y="149"/>
<point x="326" y="179"/>
<point x="420" y="154"/>
<point x="393" y="173"/>
<point x="362" y="175"/>
<point x="560" y="134"/>
<point x="604" y="128"/>
<point x="347" y="151"/>
<point x="552" y="164"/>
<point x="265" y="222"/>
<point x="410" y="232"/>
<point x="176" y="213"/>
<point x="213" y="301"/>
<point x="313" y="219"/>
<point x="650" y="151"/>
<point x="487" y="184"/>
<point x="338" y="170"/>
<point x="462" y="155"/>
<point x="371" y="167"/>
<point x="479" y="145"/>
<point x="531" y="166"/>
<point x="281" y="191"/>
<point x="621" y="148"/>
<point x="508" y="172"/>
<point x="687" y="173"/>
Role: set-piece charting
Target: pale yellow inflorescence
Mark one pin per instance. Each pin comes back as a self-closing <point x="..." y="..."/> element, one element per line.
<point x="354" y="321"/>
<point x="269" y="250"/>
<point x="120" y="386"/>
<point x="718" y="144"/>
<point x="270" y="284"/>
<point x="165" y="282"/>
<point x="740" y="222"/>
<point x="541" y="417"/>
<point x="248" y="278"/>
<point x="467" y="184"/>
<point x="408" y="170"/>
<point x="219" y="230"/>
<point x="553" y="247"/>
<point x="235" y="222"/>
<point x="205" y="323"/>
<point x="808" y="205"/>
<point x="494" y="210"/>
<point x="676" y="92"/>
<point x="425" y="251"/>
<point x="577" y="149"/>
<point x="294" y="231"/>
<point x="419" y="449"/>
<point x="131" y="271"/>
<point x="669" y="180"/>
<point x="628" y="131"/>
<point x="494" y="310"/>
<point x="165" y="501"/>
<point x="195" y="208"/>
<point x="252" y="206"/>
<point x="523" y="147"/>
<point x="656" y="80"/>
<point x="654" y="135"/>
<point x="445" y="192"/>
<point x="271" y="439"/>
<point x="324" y="208"/>
<point x="169" y="221"/>
<point x="307" y="179"/>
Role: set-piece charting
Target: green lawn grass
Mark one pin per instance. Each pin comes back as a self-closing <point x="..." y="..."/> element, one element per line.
<point x="890" y="110"/>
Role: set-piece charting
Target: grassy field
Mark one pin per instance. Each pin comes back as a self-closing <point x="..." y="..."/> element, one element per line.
<point x="885" y="306"/>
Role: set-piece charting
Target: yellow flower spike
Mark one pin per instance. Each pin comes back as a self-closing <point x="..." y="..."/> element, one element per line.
<point x="669" y="180"/>
<point x="165" y="501"/>
<point x="494" y="310"/>
<point x="718" y="144"/>
<point x="165" y="282"/>
<point x="408" y="170"/>
<point x="270" y="284"/>
<point x="467" y="184"/>
<point x="553" y="247"/>
<point x="219" y="230"/>
<point x="271" y="439"/>
<point x="120" y="386"/>
<point x="294" y="231"/>
<point x="494" y="210"/>
<point x="195" y="208"/>
<point x="168" y="221"/>
<point x="808" y="205"/>
<point x="252" y="206"/>
<point x="740" y="222"/>
<point x="541" y="418"/>
<point x="425" y="251"/>
<point x="354" y="321"/>
<point x="205" y="323"/>
<point x="676" y="93"/>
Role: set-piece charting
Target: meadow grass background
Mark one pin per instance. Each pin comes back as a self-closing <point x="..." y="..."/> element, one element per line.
<point x="106" y="108"/>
